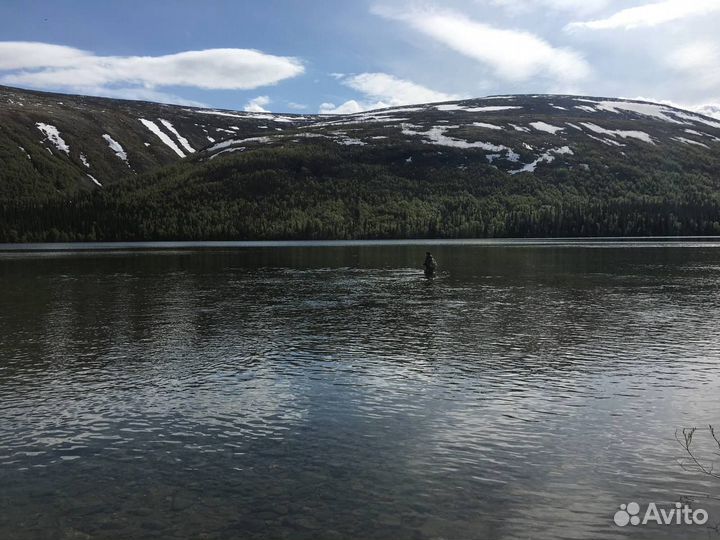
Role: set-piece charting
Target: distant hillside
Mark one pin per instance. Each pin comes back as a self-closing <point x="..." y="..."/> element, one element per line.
<point x="52" y="143"/>
<point x="79" y="168"/>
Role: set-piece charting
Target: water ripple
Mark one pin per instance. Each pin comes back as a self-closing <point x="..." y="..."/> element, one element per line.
<point x="337" y="393"/>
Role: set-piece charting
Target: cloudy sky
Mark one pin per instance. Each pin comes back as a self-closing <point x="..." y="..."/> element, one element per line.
<point x="346" y="56"/>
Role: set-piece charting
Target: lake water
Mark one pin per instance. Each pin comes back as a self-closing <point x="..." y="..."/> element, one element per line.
<point x="332" y="391"/>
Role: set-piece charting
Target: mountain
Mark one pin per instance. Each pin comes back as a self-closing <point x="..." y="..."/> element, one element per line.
<point x="58" y="142"/>
<point x="81" y="168"/>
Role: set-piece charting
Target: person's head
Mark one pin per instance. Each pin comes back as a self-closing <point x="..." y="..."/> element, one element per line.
<point x="427" y="254"/>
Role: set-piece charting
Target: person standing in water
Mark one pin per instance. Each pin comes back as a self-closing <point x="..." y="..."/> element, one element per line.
<point x="430" y="264"/>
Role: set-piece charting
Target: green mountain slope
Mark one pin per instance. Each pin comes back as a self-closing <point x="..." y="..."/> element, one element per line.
<point x="53" y="143"/>
<point x="503" y="166"/>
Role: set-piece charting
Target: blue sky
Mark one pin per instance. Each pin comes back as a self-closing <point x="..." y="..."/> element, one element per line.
<point x="346" y="56"/>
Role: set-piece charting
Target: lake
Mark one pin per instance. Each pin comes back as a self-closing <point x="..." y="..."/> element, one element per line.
<point x="312" y="391"/>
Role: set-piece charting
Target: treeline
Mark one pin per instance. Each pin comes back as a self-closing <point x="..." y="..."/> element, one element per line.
<point x="462" y="217"/>
<point x="320" y="192"/>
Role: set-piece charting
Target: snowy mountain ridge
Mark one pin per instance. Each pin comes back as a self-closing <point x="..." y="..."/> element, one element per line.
<point x="64" y="143"/>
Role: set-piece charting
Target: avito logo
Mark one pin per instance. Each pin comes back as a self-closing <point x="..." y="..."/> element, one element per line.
<point x="629" y="514"/>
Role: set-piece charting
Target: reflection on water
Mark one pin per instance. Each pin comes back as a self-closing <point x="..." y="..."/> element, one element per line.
<point x="334" y="392"/>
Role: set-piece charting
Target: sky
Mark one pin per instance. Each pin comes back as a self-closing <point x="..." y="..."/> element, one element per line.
<point x="343" y="56"/>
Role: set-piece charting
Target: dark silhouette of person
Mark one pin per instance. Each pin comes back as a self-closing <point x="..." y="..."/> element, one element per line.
<point x="430" y="264"/>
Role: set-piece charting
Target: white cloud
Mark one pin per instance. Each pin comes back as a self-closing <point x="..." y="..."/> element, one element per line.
<point x="257" y="104"/>
<point x="699" y="62"/>
<point x="349" y="107"/>
<point x="29" y="55"/>
<point x="296" y="106"/>
<point x="698" y="55"/>
<point x="651" y="14"/>
<point x="54" y="66"/>
<point x="383" y="90"/>
<point x="709" y="109"/>
<point x="577" y="6"/>
<point x="393" y="90"/>
<point x="514" y="55"/>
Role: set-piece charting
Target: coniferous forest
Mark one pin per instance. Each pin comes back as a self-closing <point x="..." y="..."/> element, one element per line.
<point x="315" y="192"/>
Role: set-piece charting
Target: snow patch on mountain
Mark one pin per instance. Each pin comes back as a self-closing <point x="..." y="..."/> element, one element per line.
<point x="492" y="108"/>
<point x="95" y="180"/>
<point x="254" y="116"/>
<point x="182" y="140"/>
<point x="436" y="135"/>
<point x="653" y="110"/>
<point x="349" y="141"/>
<point x="640" y="135"/>
<point x="645" y="109"/>
<point x="690" y="141"/>
<point x="153" y="127"/>
<point x="450" y="107"/>
<point x="548" y="128"/>
<point x="53" y="135"/>
<point x="371" y="117"/>
<point x="696" y="118"/>
<point x="233" y="142"/>
<point x="486" y="126"/>
<point x="608" y="142"/>
<point x="357" y="118"/>
<point x="227" y="150"/>
<point x="84" y="161"/>
<point x="116" y="147"/>
<point x="546" y="157"/>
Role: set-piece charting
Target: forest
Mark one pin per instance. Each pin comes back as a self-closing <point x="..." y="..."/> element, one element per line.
<point x="321" y="191"/>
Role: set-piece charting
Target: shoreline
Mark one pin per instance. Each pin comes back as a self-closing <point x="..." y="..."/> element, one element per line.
<point x="626" y="241"/>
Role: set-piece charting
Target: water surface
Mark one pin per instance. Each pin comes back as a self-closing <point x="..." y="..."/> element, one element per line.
<point x="331" y="391"/>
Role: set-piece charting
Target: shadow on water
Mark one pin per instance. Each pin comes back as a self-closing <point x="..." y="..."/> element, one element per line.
<point x="337" y="392"/>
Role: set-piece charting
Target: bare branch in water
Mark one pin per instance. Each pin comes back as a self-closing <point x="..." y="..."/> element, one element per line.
<point x="715" y="437"/>
<point x="692" y="462"/>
